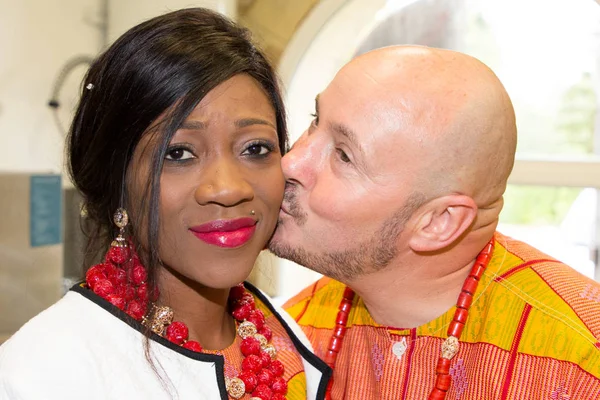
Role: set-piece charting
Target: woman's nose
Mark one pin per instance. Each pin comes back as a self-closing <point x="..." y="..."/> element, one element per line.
<point x="223" y="183"/>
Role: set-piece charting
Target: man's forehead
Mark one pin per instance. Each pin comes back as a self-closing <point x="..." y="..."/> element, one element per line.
<point x="371" y="126"/>
<point x="363" y="110"/>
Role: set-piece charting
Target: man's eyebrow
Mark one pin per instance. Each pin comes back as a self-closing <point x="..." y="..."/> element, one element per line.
<point x="342" y="129"/>
<point x="348" y="133"/>
<point x="240" y="123"/>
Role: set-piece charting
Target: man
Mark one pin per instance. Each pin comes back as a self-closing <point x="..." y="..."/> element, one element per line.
<point x="395" y="191"/>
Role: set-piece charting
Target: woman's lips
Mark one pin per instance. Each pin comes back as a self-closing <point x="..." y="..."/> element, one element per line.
<point x="226" y="233"/>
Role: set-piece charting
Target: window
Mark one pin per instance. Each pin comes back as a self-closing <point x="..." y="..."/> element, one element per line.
<point x="547" y="54"/>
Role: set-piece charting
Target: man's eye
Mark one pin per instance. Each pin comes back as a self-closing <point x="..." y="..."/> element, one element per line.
<point x="343" y="156"/>
<point x="315" y="120"/>
<point x="179" y="154"/>
<point x="257" y="149"/>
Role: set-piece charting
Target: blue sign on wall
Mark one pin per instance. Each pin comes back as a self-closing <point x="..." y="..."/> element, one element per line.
<point x="45" y="210"/>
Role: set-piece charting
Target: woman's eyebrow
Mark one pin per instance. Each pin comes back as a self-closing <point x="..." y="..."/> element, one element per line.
<point x="240" y="123"/>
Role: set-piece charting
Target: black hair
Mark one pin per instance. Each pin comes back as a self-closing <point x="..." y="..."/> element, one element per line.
<point x="164" y="65"/>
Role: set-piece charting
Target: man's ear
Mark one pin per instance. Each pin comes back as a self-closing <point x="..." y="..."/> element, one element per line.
<point x="440" y="222"/>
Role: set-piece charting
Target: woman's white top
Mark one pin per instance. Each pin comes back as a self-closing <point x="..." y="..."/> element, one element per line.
<point x="84" y="348"/>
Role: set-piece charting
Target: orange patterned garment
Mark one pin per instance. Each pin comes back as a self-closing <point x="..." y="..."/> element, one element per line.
<point x="533" y="332"/>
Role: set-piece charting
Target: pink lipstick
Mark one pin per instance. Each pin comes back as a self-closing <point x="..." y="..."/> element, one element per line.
<point x="226" y="232"/>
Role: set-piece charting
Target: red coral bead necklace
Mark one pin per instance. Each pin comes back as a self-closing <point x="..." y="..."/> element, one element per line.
<point x="121" y="280"/>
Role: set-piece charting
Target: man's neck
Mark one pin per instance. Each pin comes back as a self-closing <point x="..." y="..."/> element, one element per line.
<point x="414" y="292"/>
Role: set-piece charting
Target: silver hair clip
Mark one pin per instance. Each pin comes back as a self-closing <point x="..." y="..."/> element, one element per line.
<point x="89" y="86"/>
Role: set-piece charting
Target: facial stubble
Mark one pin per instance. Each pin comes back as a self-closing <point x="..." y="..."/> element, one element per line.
<point x="368" y="256"/>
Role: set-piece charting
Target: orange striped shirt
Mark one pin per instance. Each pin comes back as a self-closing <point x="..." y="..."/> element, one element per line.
<point x="533" y="332"/>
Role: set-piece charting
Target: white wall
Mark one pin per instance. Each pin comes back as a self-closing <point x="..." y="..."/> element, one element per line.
<point x="123" y="14"/>
<point x="37" y="38"/>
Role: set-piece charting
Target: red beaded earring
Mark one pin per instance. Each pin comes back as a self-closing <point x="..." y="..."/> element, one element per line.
<point x="121" y="278"/>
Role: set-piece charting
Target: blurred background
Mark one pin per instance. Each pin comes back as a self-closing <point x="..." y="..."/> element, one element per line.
<point x="546" y="52"/>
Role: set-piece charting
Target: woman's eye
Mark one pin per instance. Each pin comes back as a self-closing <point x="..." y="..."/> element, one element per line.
<point x="257" y="150"/>
<point x="179" y="154"/>
<point x="343" y="156"/>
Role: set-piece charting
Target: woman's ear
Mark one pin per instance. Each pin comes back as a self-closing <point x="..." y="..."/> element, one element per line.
<point x="440" y="222"/>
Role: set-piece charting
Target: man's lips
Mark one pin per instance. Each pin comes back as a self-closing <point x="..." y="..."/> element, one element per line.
<point x="226" y="233"/>
<point x="284" y="209"/>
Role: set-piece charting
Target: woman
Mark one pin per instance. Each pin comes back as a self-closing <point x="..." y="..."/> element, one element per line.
<point x="177" y="140"/>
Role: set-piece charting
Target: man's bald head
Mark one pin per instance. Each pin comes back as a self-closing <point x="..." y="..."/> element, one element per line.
<point x="452" y="110"/>
<point x="408" y="155"/>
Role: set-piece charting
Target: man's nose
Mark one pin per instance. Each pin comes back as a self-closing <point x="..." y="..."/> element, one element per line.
<point x="301" y="162"/>
<point x="223" y="182"/>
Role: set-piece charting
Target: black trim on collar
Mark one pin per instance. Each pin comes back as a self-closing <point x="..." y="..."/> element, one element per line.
<point x="218" y="360"/>
<point x="302" y="349"/>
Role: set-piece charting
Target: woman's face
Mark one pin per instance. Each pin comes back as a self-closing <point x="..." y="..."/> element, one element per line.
<point x="221" y="185"/>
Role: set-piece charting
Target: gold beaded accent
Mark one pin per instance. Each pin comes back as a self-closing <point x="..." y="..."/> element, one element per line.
<point x="246" y="329"/>
<point x="261" y="339"/>
<point x="450" y="347"/>
<point x="236" y="387"/>
<point x="158" y="318"/>
<point x="270" y="350"/>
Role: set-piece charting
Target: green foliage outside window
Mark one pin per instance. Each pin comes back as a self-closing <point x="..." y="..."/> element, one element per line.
<point x="537" y="205"/>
